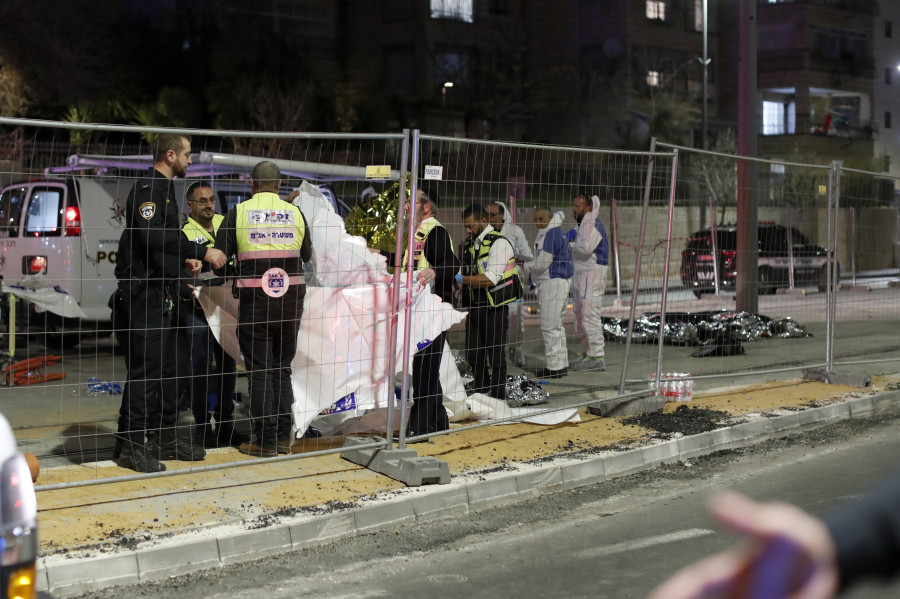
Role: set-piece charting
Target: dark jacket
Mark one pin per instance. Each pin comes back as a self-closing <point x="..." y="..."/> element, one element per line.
<point x="152" y="247"/>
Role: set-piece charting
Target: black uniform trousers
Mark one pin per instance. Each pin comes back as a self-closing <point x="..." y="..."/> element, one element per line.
<point x="427" y="414"/>
<point x="267" y="334"/>
<point x="211" y="373"/>
<point x="145" y="329"/>
<point x="486" y="329"/>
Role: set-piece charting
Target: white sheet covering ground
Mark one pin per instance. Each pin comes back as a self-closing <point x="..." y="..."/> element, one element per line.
<point x="343" y="346"/>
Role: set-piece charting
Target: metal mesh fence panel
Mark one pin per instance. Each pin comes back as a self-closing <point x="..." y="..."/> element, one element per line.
<point x="65" y="190"/>
<point x="530" y="193"/>
<point x="781" y="321"/>
<point x="866" y="233"/>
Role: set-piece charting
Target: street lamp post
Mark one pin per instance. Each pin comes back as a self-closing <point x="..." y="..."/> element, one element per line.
<point x="447" y="84"/>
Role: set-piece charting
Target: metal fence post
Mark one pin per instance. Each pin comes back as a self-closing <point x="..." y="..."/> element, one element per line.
<point x="637" y="267"/>
<point x="410" y="268"/>
<point x="665" y="289"/>
<point x="835" y="196"/>
<point x="395" y="286"/>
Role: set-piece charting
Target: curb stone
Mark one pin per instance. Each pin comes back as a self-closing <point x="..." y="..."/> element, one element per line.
<point x="74" y="576"/>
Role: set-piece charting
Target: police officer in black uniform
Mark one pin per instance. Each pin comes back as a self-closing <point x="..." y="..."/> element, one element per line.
<point x="152" y="255"/>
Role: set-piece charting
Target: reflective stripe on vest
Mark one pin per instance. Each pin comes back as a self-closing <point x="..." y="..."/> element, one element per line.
<point x="268" y="227"/>
<point x="243" y="283"/>
<point x="480" y="258"/>
<point x="419" y="244"/>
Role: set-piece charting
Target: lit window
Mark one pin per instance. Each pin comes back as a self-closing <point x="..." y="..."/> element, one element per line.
<point x="653" y="78"/>
<point x="773" y="118"/>
<point x="461" y="10"/>
<point x="656" y="10"/>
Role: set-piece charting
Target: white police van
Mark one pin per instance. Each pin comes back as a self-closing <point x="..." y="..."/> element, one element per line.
<point x="65" y="226"/>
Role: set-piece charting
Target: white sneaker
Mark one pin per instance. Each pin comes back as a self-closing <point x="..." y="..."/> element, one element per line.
<point x="517" y="356"/>
<point x="590" y="364"/>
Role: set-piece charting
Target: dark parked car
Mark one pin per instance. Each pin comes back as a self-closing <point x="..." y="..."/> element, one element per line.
<point x="698" y="273"/>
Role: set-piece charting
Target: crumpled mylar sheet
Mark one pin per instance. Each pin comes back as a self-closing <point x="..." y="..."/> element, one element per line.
<point x="695" y="328"/>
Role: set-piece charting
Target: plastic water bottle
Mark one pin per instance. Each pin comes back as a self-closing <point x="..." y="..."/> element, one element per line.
<point x="95" y="388"/>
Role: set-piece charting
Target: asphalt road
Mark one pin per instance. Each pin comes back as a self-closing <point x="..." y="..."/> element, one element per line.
<point x="616" y="539"/>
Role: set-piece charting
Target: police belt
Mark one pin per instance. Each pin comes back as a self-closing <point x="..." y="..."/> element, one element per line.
<point x="244" y="283"/>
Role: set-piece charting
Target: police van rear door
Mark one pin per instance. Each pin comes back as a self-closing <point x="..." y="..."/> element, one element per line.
<point x="50" y="242"/>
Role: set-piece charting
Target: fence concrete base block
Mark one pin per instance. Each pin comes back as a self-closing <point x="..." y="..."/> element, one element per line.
<point x="850" y="379"/>
<point x="404" y="465"/>
<point x="617" y="406"/>
<point x="843" y="287"/>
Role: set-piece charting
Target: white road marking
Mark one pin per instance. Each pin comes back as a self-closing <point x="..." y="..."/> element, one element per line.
<point x="673" y="537"/>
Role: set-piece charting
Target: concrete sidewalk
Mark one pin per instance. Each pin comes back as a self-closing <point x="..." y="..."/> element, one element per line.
<point x="124" y="532"/>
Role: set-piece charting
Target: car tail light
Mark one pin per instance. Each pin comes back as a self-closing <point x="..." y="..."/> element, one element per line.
<point x="728" y="257"/>
<point x="73" y="221"/>
<point x="32" y="265"/>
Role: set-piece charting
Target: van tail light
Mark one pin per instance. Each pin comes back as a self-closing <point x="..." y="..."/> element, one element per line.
<point x="73" y="221"/>
<point x="32" y="265"/>
<point x="728" y="257"/>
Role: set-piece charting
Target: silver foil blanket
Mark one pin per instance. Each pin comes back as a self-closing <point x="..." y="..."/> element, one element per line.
<point x="695" y="328"/>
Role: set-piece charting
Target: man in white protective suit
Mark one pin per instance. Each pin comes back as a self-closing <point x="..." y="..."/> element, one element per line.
<point x="500" y="219"/>
<point x="590" y="254"/>
<point x="551" y="275"/>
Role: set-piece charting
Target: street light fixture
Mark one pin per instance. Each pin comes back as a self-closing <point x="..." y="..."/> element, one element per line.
<point x="444" y="88"/>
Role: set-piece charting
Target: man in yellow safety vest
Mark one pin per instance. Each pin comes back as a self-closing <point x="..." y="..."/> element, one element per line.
<point x="269" y="239"/>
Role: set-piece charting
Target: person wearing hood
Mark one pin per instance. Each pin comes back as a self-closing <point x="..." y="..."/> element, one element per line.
<point x="590" y="252"/>
<point x="551" y="276"/>
<point x="499" y="218"/>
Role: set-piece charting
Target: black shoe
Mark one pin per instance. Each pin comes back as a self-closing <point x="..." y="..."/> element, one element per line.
<point x="117" y="448"/>
<point x="546" y="373"/>
<point x="139" y="458"/>
<point x="170" y="447"/>
<point x="227" y="436"/>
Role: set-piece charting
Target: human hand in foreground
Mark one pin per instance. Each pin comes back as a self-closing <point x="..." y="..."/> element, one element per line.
<point x="787" y="553"/>
<point x="572" y="234"/>
<point x="194" y="266"/>
<point x="215" y="257"/>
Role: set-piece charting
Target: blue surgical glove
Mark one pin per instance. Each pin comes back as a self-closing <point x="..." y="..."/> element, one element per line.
<point x="458" y="278"/>
<point x="572" y="233"/>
